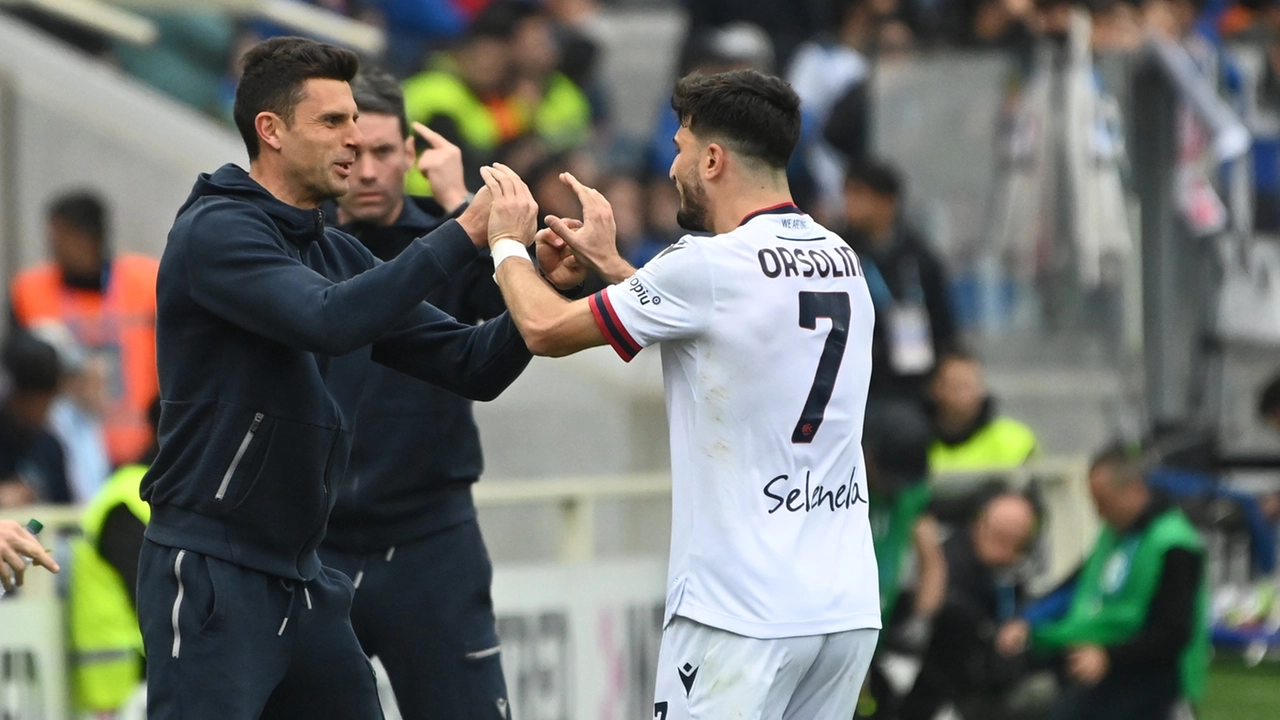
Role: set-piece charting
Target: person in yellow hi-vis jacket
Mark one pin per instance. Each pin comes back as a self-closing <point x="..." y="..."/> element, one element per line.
<point x="107" y="657"/>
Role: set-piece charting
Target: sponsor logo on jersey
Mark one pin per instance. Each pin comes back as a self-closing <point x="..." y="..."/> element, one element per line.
<point x="786" y="494"/>
<point x="642" y="293"/>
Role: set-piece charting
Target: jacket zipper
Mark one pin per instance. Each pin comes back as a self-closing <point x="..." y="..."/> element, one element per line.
<point x="235" y="461"/>
<point x="177" y="603"/>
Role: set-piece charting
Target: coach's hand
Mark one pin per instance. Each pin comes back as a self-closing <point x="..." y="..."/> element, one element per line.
<point x="556" y="259"/>
<point x="475" y="219"/>
<point x="514" y="215"/>
<point x="441" y="163"/>
<point x="595" y="241"/>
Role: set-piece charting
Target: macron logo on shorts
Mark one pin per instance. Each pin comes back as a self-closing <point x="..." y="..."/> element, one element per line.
<point x="688" y="674"/>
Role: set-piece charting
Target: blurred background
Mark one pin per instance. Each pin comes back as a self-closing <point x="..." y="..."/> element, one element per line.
<point x="1083" y="197"/>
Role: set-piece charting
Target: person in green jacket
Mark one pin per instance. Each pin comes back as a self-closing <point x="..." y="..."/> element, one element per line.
<point x="1131" y="624"/>
<point x="971" y="435"/>
<point x="107" y="656"/>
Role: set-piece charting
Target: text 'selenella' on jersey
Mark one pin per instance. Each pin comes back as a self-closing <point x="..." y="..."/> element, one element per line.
<point x="810" y="499"/>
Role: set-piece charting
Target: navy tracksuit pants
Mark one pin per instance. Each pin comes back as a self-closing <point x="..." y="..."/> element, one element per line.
<point x="224" y="642"/>
<point x="425" y="611"/>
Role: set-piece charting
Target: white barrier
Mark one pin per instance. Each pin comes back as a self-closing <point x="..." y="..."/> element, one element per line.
<point x="579" y="633"/>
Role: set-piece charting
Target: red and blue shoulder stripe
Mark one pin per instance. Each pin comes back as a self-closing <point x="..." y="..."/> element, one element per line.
<point x="611" y="326"/>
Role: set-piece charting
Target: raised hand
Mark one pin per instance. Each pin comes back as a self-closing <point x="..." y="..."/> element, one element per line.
<point x="441" y="162"/>
<point x="475" y="219"/>
<point x="514" y="214"/>
<point x="595" y="242"/>
<point x="556" y="258"/>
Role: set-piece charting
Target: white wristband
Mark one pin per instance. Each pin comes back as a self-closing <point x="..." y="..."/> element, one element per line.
<point x="506" y="248"/>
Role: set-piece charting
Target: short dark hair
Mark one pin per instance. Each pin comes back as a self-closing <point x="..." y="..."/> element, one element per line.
<point x="376" y="91"/>
<point x="879" y="176"/>
<point x="82" y="210"/>
<point x="1269" y="401"/>
<point x="274" y="73"/>
<point x="32" y="364"/>
<point x="753" y="114"/>
<point x="501" y="19"/>
<point x="1126" y="460"/>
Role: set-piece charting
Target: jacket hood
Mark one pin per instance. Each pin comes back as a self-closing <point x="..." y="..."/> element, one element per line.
<point x="297" y="224"/>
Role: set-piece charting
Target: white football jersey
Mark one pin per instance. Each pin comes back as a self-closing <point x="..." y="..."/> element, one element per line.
<point x="766" y="357"/>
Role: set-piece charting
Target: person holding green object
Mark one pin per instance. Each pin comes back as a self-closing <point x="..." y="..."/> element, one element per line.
<point x="19" y="548"/>
<point x="1132" y="622"/>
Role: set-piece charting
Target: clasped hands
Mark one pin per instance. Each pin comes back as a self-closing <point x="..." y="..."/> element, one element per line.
<point x="1087" y="663"/>
<point x="567" y="247"/>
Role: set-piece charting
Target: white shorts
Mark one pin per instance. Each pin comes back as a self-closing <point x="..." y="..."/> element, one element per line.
<point x="705" y="673"/>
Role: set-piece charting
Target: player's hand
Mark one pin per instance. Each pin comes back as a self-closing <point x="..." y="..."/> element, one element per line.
<point x="514" y="215"/>
<point x="560" y="266"/>
<point x="1012" y="638"/>
<point x="16" y="542"/>
<point x="1088" y="664"/>
<point x="595" y="242"/>
<point x="475" y="219"/>
<point x="442" y="164"/>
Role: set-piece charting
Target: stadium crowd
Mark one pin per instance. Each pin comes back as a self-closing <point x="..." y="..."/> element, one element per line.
<point x="517" y="82"/>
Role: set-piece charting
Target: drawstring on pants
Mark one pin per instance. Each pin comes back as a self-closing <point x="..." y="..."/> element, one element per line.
<point x="292" y="587"/>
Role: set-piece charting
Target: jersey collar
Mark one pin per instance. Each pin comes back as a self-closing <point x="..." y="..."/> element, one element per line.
<point x="786" y="208"/>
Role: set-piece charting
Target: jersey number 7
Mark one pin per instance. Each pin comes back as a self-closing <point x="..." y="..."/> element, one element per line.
<point x="813" y="305"/>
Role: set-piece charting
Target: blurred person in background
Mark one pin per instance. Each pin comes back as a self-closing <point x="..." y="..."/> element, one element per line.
<point x="108" y="301"/>
<point x="500" y="83"/>
<point x="823" y="71"/>
<point x="551" y="106"/>
<point x="412" y="26"/>
<point x="581" y="42"/>
<point x="403" y="526"/>
<point x="33" y="466"/>
<point x="1132" y="623"/>
<point x="103" y="621"/>
<point x="969" y="435"/>
<point x="984" y="589"/>
<point x="896" y="444"/>
<point x="75" y="417"/>
<point x="914" y="321"/>
<point x="788" y="24"/>
<point x="462" y="95"/>
<point x="1117" y="26"/>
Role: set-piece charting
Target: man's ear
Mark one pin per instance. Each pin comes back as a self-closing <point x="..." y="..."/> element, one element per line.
<point x="411" y="150"/>
<point x="713" y="161"/>
<point x="269" y="126"/>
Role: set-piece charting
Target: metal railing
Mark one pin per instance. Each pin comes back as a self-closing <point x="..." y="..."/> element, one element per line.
<point x="1070" y="523"/>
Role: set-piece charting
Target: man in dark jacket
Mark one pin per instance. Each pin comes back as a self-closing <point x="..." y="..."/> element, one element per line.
<point x="404" y="524"/>
<point x="33" y="466"/>
<point x="257" y="302"/>
<point x="914" y="321"/>
<point x="961" y="664"/>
